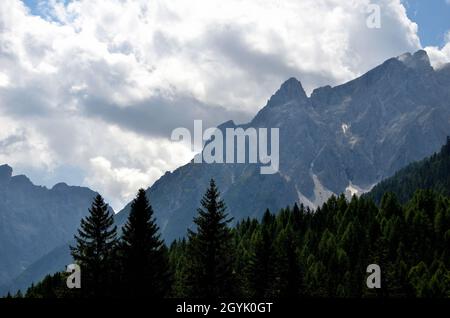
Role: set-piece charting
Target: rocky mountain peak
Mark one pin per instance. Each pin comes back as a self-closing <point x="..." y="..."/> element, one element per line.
<point x="37" y="220"/>
<point x="227" y="124"/>
<point x="5" y="173"/>
<point x="61" y="186"/>
<point x="291" y="90"/>
<point x="21" y="181"/>
<point x="418" y="61"/>
<point x="343" y="139"/>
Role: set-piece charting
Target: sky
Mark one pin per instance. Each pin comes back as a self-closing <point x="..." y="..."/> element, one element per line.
<point x="433" y="19"/>
<point x="90" y="90"/>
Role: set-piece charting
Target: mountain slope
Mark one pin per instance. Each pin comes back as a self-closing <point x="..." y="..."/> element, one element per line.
<point x="54" y="261"/>
<point x="341" y="139"/>
<point x="34" y="220"/>
<point x="432" y="173"/>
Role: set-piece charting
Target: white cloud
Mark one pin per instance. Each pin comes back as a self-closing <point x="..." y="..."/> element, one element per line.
<point x="130" y="163"/>
<point x="4" y="80"/>
<point x="440" y="56"/>
<point x="98" y="84"/>
<point x="118" y="182"/>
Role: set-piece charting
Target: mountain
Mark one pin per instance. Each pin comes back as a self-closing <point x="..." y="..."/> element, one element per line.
<point x="340" y="139"/>
<point x="341" y="236"/>
<point x="34" y="220"/>
<point x="432" y="173"/>
<point x="54" y="261"/>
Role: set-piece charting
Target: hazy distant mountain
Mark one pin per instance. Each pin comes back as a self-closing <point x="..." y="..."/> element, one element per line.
<point x="340" y="139"/>
<point x="34" y="220"/>
<point x="54" y="261"/>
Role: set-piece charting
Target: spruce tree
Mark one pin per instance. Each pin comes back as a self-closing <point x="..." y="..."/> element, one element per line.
<point x="94" y="249"/>
<point x="210" y="249"/>
<point x="178" y="260"/>
<point x="144" y="257"/>
<point x="261" y="266"/>
<point x="287" y="266"/>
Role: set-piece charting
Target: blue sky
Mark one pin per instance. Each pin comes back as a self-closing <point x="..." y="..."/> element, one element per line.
<point x="433" y="18"/>
<point x="34" y="5"/>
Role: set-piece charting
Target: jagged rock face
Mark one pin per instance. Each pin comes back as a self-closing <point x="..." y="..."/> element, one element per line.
<point x="34" y="220"/>
<point x="341" y="139"/>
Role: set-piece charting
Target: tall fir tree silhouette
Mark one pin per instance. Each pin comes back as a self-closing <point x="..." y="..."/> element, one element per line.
<point x="210" y="249"/>
<point x="95" y="244"/>
<point x="261" y="267"/>
<point x="144" y="255"/>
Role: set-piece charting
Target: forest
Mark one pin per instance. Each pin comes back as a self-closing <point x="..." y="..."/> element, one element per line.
<point x="293" y="253"/>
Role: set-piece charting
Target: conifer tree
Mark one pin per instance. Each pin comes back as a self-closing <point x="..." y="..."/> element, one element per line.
<point x="210" y="249"/>
<point x="178" y="260"/>
<point x="288" y="271"/>
<point x="94" y="249"/>
<point x="145" y="260"/>
<point x="261" y="266"/>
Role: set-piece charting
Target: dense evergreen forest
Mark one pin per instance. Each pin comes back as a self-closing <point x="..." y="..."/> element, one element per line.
<point x="295" y="252"/>
<point x="431" y="173"/>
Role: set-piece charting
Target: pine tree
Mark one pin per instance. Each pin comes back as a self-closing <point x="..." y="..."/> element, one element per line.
<point x="210" y="249"/>
<point x="178" y="260"/>
<point x="144" y="257"/>
<point x="261" y="266"/>
<point x="94" y="249"/>
<point x="288" y="271"/>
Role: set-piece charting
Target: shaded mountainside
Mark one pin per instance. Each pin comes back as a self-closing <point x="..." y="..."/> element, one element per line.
<point x="34" y="220"/>
<point x="432" y="173"/>
<point x="52" y="262"/>
<point x="341" y="139"/>
<point x="294" y="253"/>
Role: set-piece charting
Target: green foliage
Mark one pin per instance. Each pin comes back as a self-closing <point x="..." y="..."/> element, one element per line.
<point x="96" y="241"/>
<point x="53" y="286"/>
<point x="210" y="253"/>
<point x="143" y="256"/>
<point x="432" y="173"/>
<point x="293" y="253"/>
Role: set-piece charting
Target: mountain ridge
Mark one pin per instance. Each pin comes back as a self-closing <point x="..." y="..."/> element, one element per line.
<point x="35" y="219"/>
<point x="341" y="139"/>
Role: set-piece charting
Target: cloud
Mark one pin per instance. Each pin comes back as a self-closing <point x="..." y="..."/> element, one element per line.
<point x="117" y="182"/>
<point x="4" y="80"/>
<point x="99" y="84"/>
<point x="159" y="115"/>
<point x="440" y="56"/>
